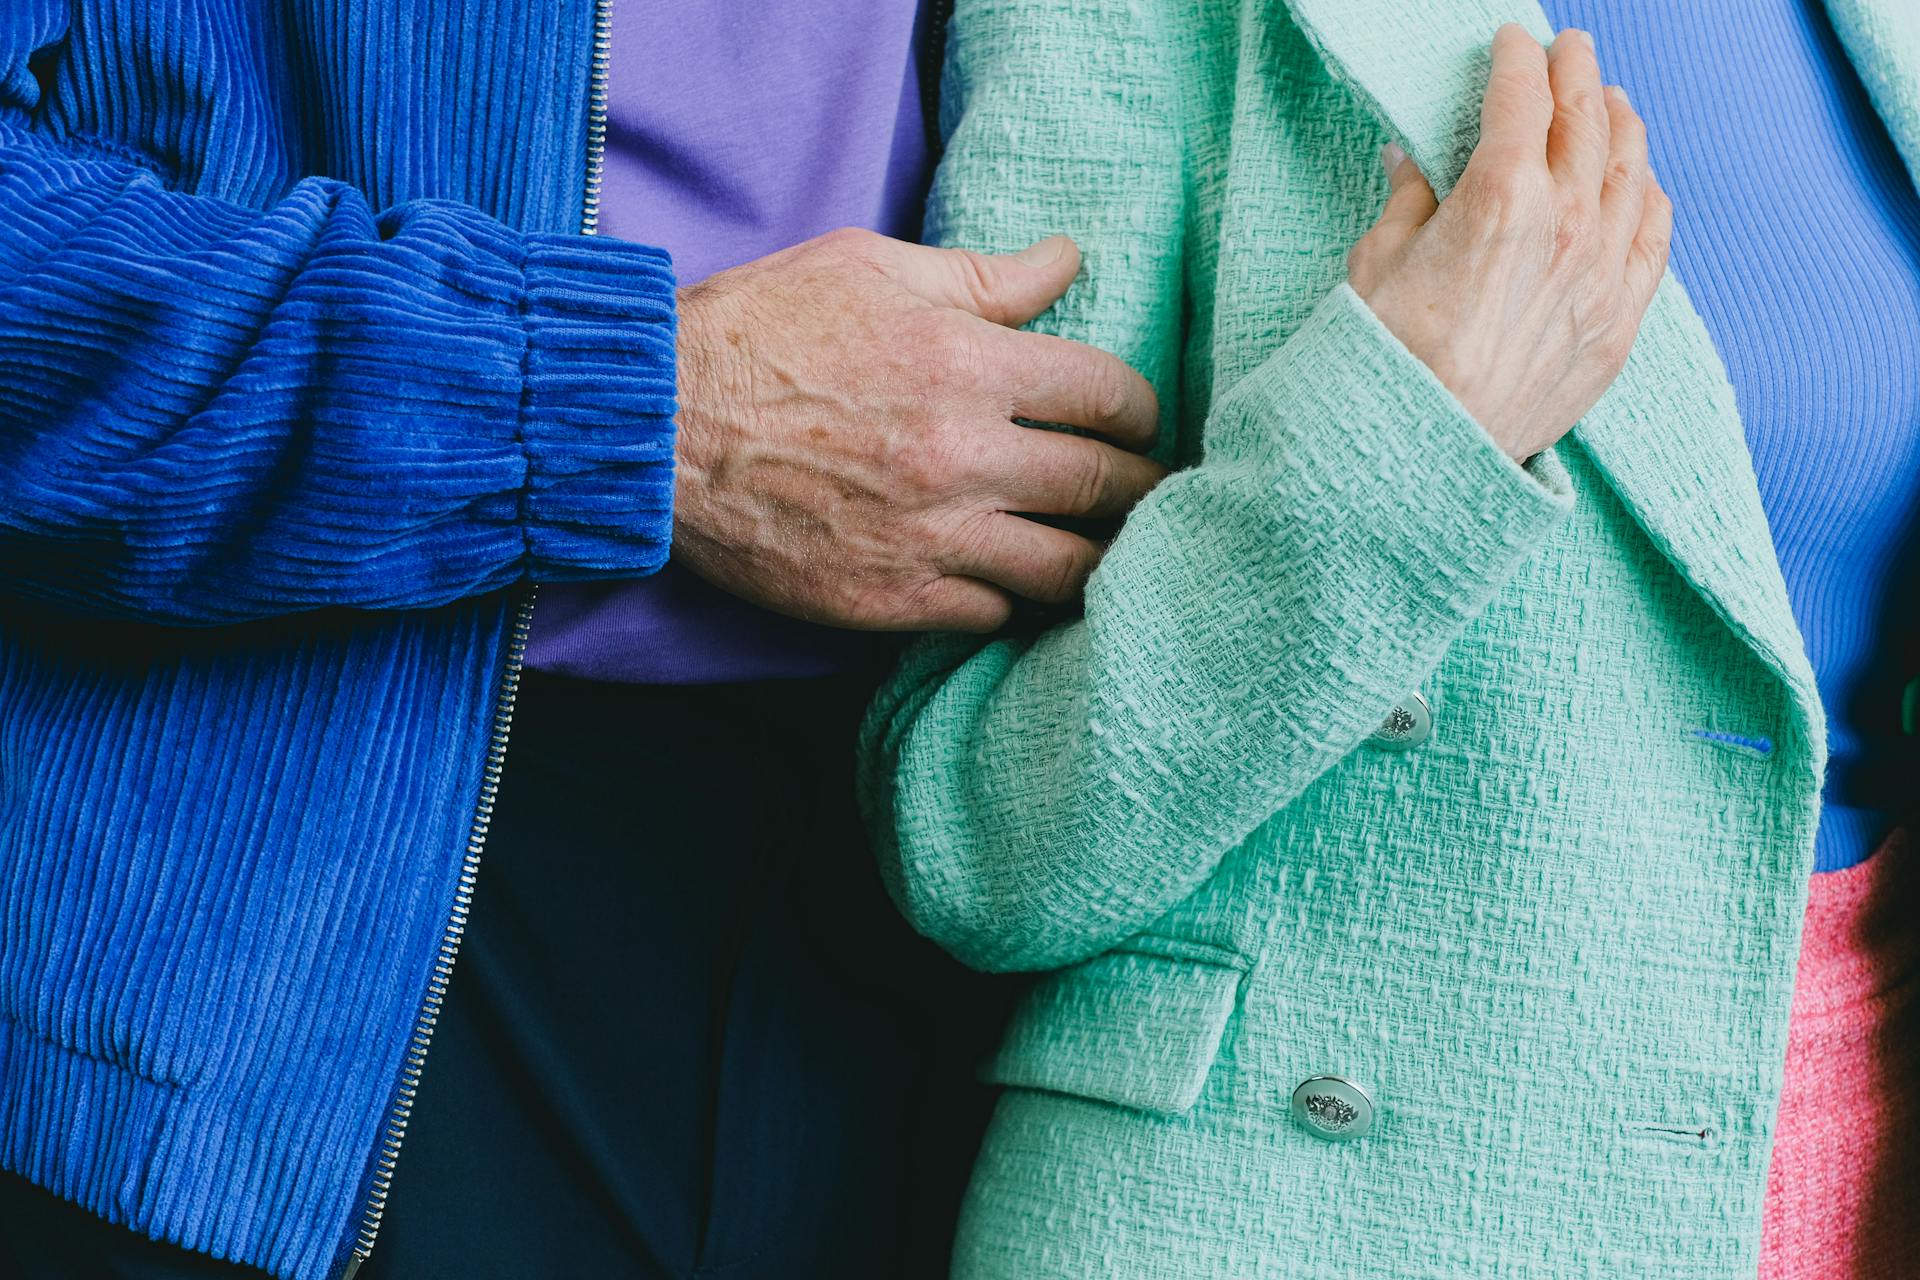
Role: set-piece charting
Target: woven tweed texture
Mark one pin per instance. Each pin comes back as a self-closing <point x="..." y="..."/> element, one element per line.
<point x="1884" y="41"/>
<point x="1557" y="939"/>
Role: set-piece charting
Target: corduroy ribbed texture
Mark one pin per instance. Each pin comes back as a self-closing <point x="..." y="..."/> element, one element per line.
<point x="296" y="337"/>
<point x="1555" y="940"/>
<point x="217" y="409"/>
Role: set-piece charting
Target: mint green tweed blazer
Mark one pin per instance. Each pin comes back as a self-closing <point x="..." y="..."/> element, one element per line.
<point x="1556" y="939"/>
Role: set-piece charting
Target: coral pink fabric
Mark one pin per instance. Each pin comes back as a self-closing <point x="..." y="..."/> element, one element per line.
<point x="1843" y="1195"/>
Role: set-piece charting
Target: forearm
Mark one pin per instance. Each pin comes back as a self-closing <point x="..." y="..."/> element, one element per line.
<point x="1261" y="612"/>
<point x="212" y="413"/>
<point x="1255" y="620"/>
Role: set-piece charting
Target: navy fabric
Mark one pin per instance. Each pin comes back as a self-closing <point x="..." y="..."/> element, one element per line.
<point x="43" y="1237"/>
<point x="1797" y="234"/>
<point x="296" y="337"/>
<point x="689" y="1035"/>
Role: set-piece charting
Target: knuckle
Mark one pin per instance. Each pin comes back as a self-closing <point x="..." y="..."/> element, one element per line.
<point x="915" y="607"/>
<point x="1663" y="210"/>
<point x="1065" y="577"/>
<point x="855" y="242"/>
<point x="973" y="272"/>
<point x="951" y="354"/>
<point x="1093" y="481"/>
<point x="971" y="535"/>
<point x="1527" y="89"/>
<point x="1108" y="397"/>
<point x="979" y="613"/>
<point x="1360" y="259"/>
<point x="892" y="607"/>
<point x="1535" y="94"/>
<point x="1606" y="330"/>
<point x="1584" y="117"/>
<point x="937" y="463"/>
<point x="1655" y="237"/>
<point x="1660" y="243"/>
<point x="1594" y="316"/>
<point x="1498" y="196"/>
<point x="1624" y="174"/>
<point x="1574" y="232"/>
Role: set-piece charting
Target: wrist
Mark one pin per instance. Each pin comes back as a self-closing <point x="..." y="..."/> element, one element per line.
<point x="1460" y="372"/>
<point x="709" y="350"/>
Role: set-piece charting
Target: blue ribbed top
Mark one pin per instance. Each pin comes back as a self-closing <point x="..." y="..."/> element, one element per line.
<point x="1797" y="233"/>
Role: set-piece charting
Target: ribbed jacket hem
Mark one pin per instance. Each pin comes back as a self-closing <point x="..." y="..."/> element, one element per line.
<point x="598" y="425"/>
<point x="170" y="1162"/>
<point x="108" y="1121"/>
<point x="374" y="410"/>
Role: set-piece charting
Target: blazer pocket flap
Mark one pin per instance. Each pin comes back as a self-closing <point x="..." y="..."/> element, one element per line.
<point x="1130" y="1028"/>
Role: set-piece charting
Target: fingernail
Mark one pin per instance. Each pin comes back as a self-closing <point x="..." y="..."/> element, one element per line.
<point x="1045" y="253"/>
<point x="1390" y="157"/>
<point x="1620" y="92"/>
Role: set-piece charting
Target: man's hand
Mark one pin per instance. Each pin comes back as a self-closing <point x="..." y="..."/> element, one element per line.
<point x="847" y="445"/>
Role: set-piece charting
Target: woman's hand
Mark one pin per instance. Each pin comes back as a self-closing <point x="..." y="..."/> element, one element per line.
<point x="1524" y="289"/>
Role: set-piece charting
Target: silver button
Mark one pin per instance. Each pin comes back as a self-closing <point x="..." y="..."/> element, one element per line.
<point x="1407" y="725"/>
<point x="1333" y="1108"/>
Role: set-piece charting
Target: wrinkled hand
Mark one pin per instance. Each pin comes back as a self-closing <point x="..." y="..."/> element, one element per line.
<point x="1523" y="290"/>
<point x="847" y="445"/>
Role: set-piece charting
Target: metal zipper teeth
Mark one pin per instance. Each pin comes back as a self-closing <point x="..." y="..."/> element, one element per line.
<point x="436" y="995"/>
<point x="597" y="115"/>
<point x="509" y="691"/>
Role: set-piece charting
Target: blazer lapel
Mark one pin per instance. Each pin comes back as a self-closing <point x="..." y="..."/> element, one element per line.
<point x="1667" y="436"/>
<point x="1883" y="39"/>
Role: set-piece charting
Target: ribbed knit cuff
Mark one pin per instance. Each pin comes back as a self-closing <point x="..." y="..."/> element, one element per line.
<point x="597" y="420"/>
<point x="1356" y="429"/>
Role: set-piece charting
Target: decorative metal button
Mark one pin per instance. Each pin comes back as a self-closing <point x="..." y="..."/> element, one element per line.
<point x="1333" y="1108"/>
<point x="1407" y="725"/>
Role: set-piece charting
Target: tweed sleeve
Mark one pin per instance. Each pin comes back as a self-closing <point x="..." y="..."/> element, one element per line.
<point x="210" y="413"/>
<point x="1037" y="798"/>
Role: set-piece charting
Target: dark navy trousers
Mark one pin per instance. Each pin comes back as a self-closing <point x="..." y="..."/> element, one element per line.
<point x="686" y="1036"/>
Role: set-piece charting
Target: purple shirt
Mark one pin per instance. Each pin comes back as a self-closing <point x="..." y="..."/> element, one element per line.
<point x="736" y="128"/>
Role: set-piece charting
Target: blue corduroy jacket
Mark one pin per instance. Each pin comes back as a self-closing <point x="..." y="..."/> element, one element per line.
<point x="306" y="374"/>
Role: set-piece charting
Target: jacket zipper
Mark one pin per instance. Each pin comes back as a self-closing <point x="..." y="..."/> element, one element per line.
<point x="933" y="61"/>
<point x="507" y="692"/>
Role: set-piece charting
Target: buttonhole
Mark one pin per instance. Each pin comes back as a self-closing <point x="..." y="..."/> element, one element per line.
<point x="1685" y="1135"/>
<point x="1739" y="742"/>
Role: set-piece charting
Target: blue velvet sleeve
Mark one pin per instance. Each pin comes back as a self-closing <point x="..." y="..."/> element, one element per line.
<point x="210" y="412"/>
